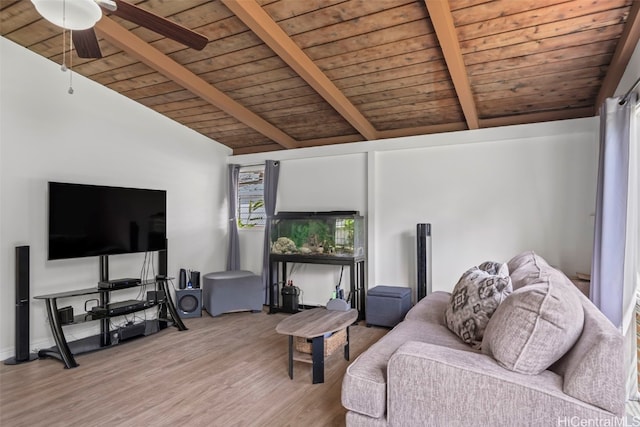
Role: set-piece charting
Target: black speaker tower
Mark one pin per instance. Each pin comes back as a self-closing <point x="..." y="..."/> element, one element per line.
<point x="22" y="309"/>
<point x="162" y="260"/>
<point x="423" y="233"/>
<point x="163" y="263"/>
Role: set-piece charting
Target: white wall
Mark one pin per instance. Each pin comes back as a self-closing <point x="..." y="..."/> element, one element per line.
<point x="486" y="201"/>
<point x="488" y="194"/>
<point x="94" y="136"/>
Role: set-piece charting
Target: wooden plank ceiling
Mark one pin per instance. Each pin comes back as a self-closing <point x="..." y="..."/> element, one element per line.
<point x="280" y="74"/>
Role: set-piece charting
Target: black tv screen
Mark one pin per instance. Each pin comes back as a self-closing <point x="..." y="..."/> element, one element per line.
<point x="92" y="220"/>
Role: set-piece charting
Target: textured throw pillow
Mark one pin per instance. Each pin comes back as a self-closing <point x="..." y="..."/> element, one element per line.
<point x="535" y="326"/>
<point x="474" y="300"/>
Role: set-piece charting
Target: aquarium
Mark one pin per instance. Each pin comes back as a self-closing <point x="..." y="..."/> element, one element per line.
<point x="327" y="234"/>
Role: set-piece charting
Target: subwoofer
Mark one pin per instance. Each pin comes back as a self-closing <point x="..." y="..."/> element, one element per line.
<point x="22" y="309"/>
<point x="189" y="302"/>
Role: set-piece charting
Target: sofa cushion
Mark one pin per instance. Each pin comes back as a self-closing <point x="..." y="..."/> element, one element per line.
<point x="364" y="386"/>
<point x="597" y="358"/>
<point x="536" y="325"/>
<point x="430" y="309"/>
<point x="526" y="268"/>
<point x="474" y="300"/>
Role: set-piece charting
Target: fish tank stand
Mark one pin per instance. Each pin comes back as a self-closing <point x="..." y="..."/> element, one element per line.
<point x="358" y="285"/>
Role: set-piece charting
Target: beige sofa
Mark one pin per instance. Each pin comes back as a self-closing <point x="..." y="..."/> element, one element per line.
<point x="422" y="374"/>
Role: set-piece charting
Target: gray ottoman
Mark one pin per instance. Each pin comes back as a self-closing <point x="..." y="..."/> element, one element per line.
<point x="387" y="305"/>
<point x="236" y="290"/>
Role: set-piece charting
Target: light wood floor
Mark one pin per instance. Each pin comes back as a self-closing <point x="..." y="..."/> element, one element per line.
<point x="225" y="371"/>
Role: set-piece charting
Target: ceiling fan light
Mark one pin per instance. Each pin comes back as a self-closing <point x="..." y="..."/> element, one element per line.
<point x="78" y="14"/>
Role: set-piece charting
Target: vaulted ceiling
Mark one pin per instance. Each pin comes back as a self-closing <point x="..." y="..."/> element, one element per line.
<point x="280" y="74"/>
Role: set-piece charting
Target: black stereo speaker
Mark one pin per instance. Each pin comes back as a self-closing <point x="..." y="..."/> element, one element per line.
<point x="182" y="279"/>
<point x="22" y="308"/>
<point x="65" y="315"/>
<point x="155" y="297"/>
<point x="195" y="279"/>
<point x="189" y="302"/>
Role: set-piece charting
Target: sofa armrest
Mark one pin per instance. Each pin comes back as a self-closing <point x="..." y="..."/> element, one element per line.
<point x="435" y="385"/>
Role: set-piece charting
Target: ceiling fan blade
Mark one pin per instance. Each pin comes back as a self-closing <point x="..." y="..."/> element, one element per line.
<point x="160" y="25"/>
<point x="86" y="43"/>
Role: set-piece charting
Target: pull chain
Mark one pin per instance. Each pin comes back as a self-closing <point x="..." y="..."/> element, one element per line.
<point x="63" y="67"/>
<point x="70" y="91"/>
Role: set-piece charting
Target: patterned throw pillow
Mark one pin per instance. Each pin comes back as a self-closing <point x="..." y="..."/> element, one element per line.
<point x="475" y="298"/>
<point x="495" y="268"/>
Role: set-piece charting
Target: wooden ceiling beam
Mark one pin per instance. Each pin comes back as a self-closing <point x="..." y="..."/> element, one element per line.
<point x="252" y="14"/>
<point x="422" y="130"/>
<point x="143" y="51"/>
<point x="442" y="21"/>
<point x="253" y="149"/>
<point x="544" y="116"/>
<point x="626" y="45"/>
<point x="331" y="140"/>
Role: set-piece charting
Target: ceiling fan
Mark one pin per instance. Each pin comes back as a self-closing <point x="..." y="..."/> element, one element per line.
<point x="81" y="15"/>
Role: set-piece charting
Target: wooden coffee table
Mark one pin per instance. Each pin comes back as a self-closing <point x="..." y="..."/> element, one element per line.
<point x="314" y="324"/>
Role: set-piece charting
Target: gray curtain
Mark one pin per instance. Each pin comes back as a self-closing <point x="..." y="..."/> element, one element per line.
<point x="607" y="273"/>
<point x="615" y="248"/>
<point x="233" y="250"/>
<point x="271" y="174"/>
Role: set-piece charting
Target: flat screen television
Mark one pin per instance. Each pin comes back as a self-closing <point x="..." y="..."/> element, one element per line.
<point x="92" y="220"/>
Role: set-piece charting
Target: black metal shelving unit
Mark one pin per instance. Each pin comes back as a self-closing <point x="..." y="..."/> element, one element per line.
<point x="65" y="351"/>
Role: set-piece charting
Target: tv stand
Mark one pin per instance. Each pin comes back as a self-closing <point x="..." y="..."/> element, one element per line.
<point x="65" y="351"/>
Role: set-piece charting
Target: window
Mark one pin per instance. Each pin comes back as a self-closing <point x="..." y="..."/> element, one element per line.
<point x="251" y="211"/>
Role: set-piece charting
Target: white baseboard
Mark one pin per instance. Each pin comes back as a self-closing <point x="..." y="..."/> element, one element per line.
<point x="9" y="352"/>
